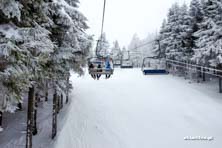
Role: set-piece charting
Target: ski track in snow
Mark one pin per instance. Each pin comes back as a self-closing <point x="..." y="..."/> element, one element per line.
<point x="131" y="110"/>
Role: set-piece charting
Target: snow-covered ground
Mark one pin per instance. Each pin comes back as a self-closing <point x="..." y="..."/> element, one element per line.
<point x="131" y="110"/>
<point x="14" y="133"/>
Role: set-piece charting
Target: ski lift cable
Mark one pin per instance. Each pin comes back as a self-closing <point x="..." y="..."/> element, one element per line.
<point x="103" y="20"/>
<point x="102" y="27"/>
<point x="142" y="45"/>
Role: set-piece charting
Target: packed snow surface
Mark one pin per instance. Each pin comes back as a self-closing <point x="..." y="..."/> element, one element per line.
<point x="131" y="110"/>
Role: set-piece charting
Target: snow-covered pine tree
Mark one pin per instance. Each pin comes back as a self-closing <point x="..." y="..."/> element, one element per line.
<point x="68" y="32"/>
<point x="26" y="46"/>
<point x="72" y="42"/>
<point x="196" y="17"/>
<point x="173" y="42"/>
<point x="37" y="41"/>
<point x="102" y="46"/>
<point x="135" y="51"/>
<point x="177" y="28"/>
<point x="174" y="37"/>
<point x="116" y="52"/>
<point x="147" y="46"/>
<point x="208" y="51"/>
<point x="185" y="33"/>
<point x="30" y="41"/>
<point x="162" y="40"/>
<point x="125" y="54"/>
<point x="28" y="55"/>
<point x="12" y="57"/>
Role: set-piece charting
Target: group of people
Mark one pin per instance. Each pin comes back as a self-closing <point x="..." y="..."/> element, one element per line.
<point x="99" y="69"/>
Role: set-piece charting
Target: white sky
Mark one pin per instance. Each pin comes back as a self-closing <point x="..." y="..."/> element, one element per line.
<point x="125" y="17"/>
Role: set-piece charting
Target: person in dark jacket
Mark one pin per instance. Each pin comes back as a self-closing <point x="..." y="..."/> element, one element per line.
<point x="99" y="70"/>
<point x="91" y="67"/>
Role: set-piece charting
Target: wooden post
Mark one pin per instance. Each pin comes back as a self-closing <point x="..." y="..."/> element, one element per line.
<point x="30" y="117"/>
<point x="54" y="115"/>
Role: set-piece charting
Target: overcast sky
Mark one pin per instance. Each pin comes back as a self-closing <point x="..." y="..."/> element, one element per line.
<point x="125" y="17"/>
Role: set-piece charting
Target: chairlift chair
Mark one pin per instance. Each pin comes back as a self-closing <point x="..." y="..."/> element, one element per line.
<point x="100" y="66"/>
<point x="126" y="64"/>
<point x="117" y="63"/>
<point x="154" y="66"/>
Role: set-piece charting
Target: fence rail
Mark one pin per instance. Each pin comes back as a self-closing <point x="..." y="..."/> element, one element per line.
<point x="202" y="70"/>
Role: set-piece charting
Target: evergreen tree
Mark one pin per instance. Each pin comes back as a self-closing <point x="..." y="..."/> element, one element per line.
<point x="162" y="40"/>
<point x="175" y="33"/>
<point x="125" y="54"/>
<point x="185" y="33"/>
<point x="103" y="46"/>
<point x="25" y="45"/>
<point x="208" y="51"/>
<point x="40" y="42"/>
<point x="175" y="41"/>
<point x="116" y="52"/>
<point x="196" y="17"/>
<point x="135" y="51"/>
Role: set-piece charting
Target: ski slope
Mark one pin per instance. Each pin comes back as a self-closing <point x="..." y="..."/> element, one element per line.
<point x="131" y="110"/>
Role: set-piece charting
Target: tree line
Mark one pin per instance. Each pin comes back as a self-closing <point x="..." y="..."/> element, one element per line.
<point x="192" y="33"/>
<point x="41" y="41"/>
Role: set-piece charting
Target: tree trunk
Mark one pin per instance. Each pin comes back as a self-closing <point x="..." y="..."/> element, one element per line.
<point x="35" y="130"/>
<point x="61" y="105"/>
<point x="67" y="90"/>
<point x="30" y="117"/>
<point x="200" y="75"/>
<point x="58" y="103"/>
<point x="67" y="98"/>
<point x="204" y="75"/>
<point x="54" y="115"/>
<point x="19" y="105"/>
<point x="46" y="91"/>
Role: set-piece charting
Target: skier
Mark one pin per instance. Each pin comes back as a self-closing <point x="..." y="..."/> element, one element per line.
<point x="108" y="67"/>
<point x="91" y="67"/>
<point x="99" y="70"/>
